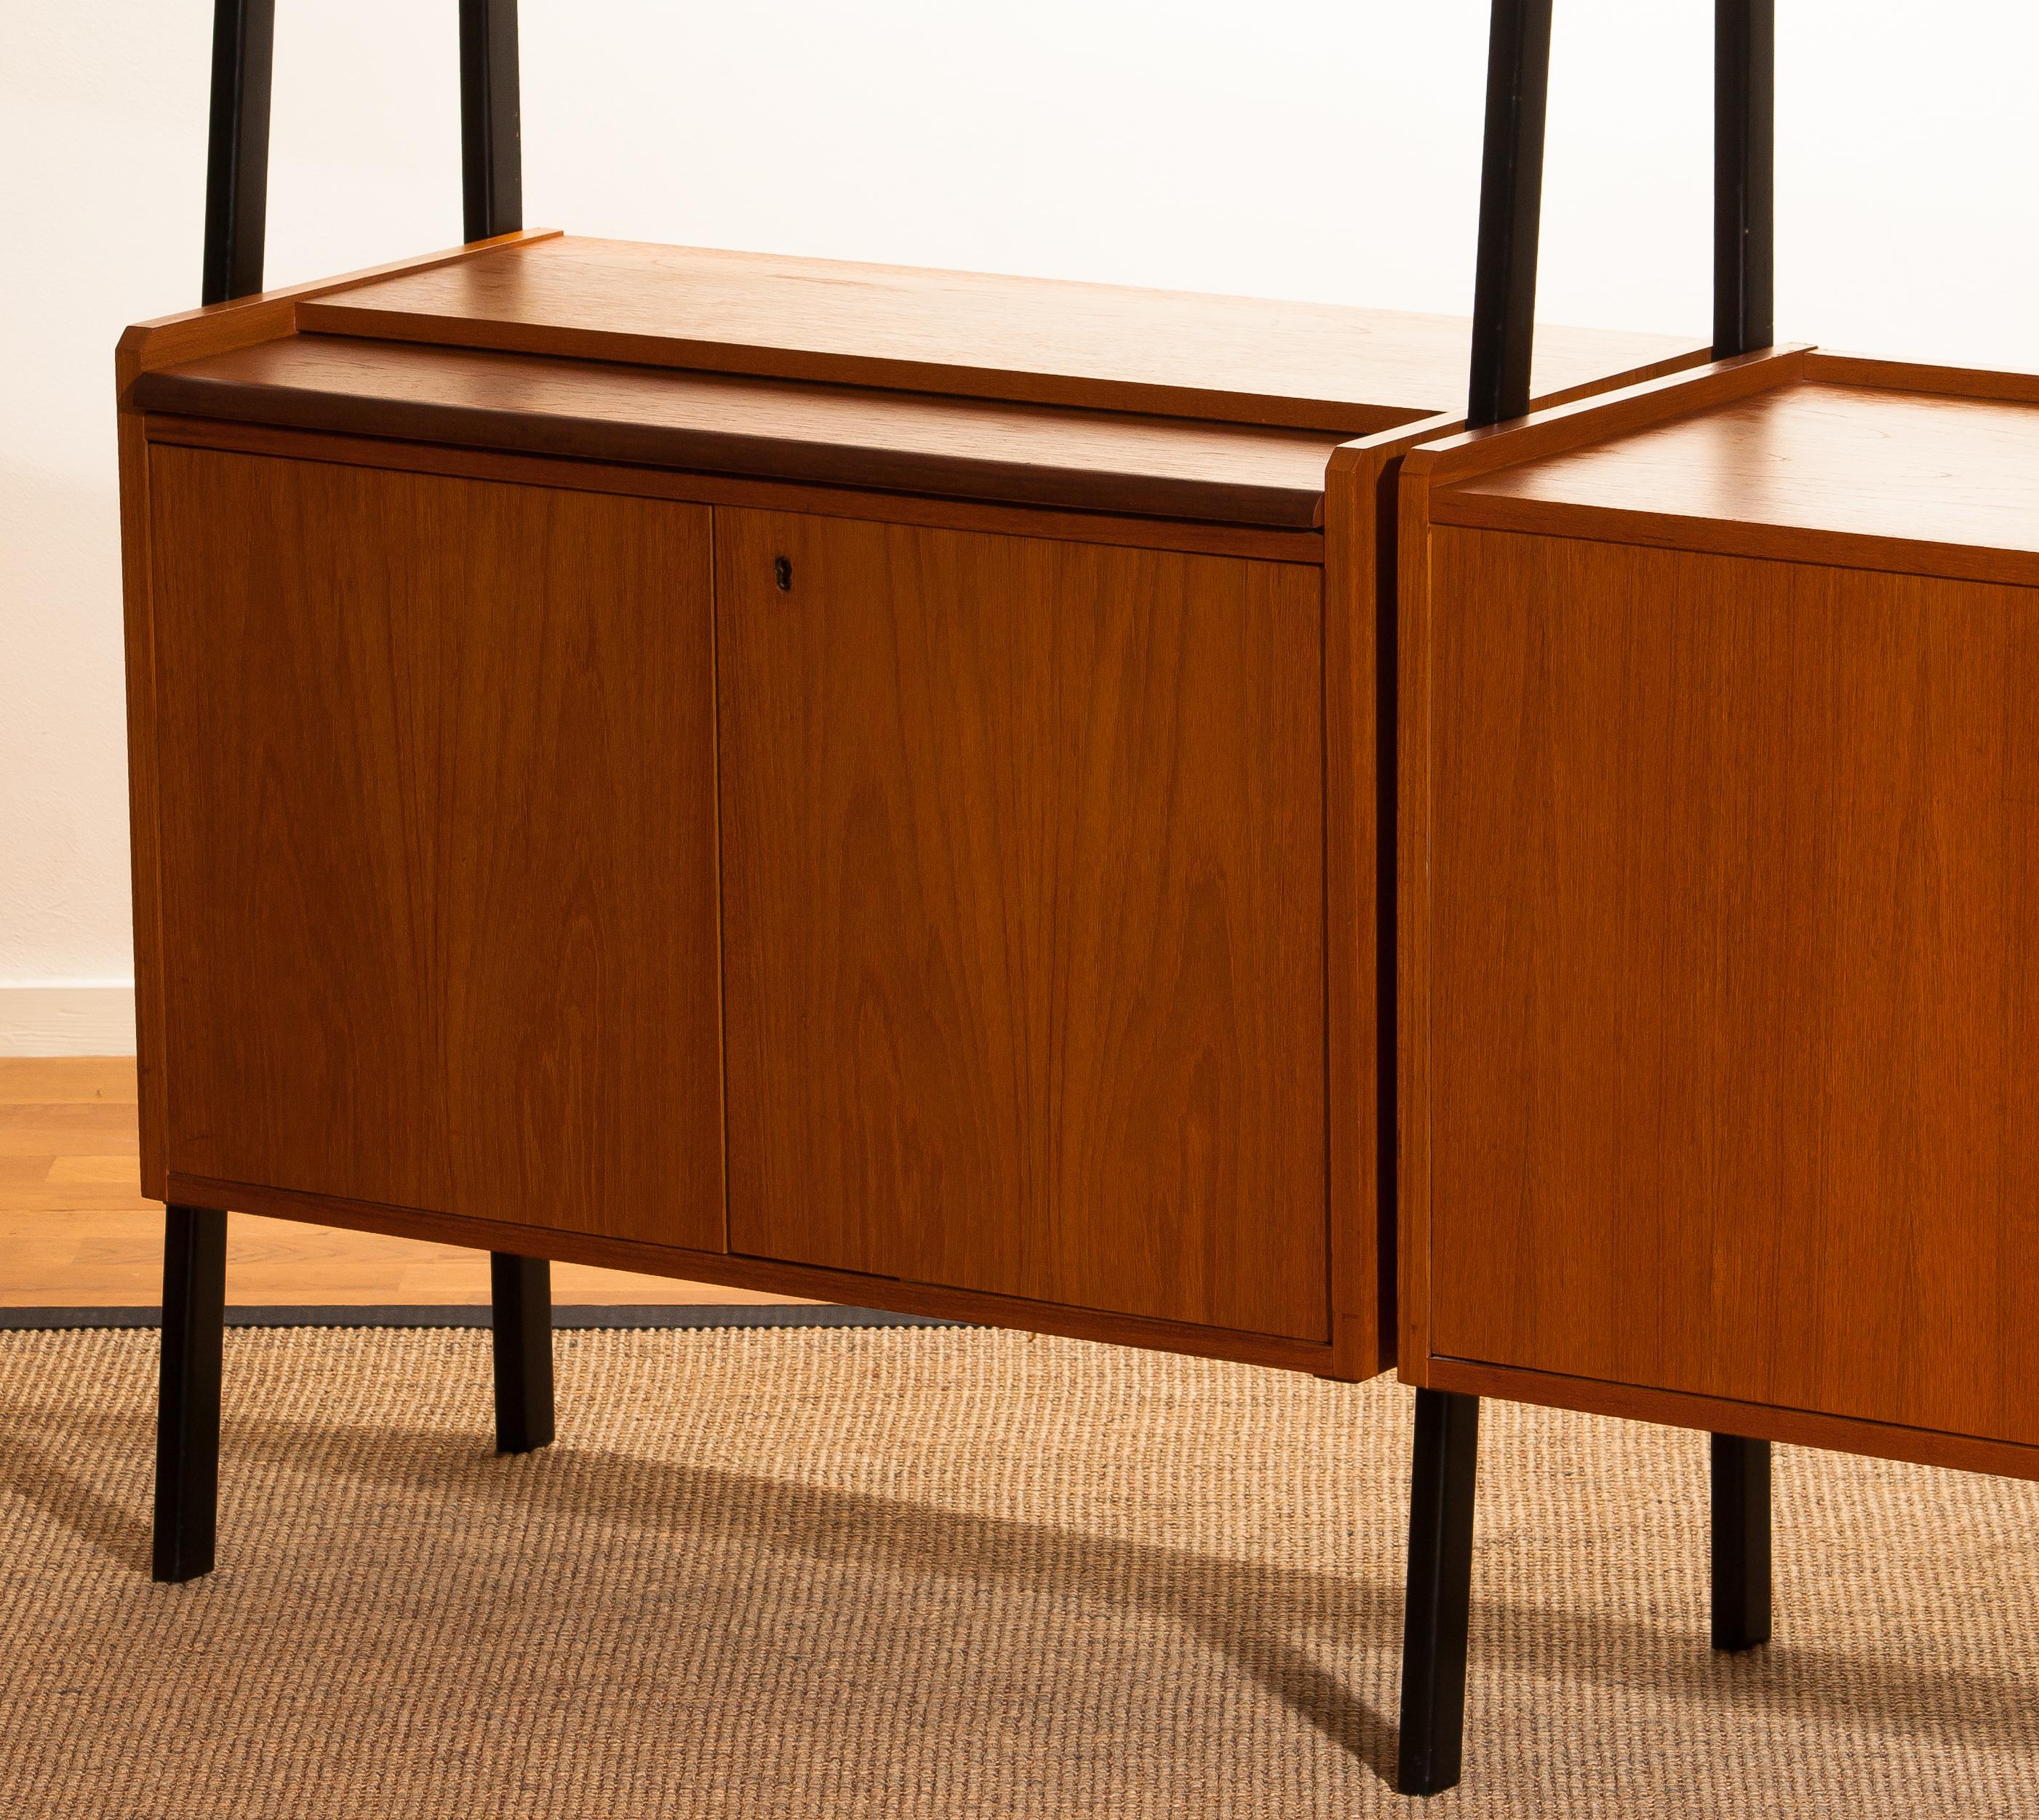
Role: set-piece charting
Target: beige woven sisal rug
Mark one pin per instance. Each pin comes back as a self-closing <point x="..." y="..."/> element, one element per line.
<point x="906" y="1573"/>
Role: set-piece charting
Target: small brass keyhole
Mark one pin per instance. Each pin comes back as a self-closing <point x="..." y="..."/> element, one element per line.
<point x="782" y="572"/>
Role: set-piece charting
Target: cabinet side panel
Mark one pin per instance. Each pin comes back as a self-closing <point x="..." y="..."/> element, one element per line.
<point x="1732" y="989"/>
<point x="1359" y="826"/>
<point x="139" y="621"/>
<point x="438" y="854"/>
<point x="1025" y="900"/>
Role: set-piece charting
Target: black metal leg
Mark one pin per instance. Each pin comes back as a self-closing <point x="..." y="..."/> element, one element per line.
<point x="1740" y="1542"/>
<point x="1434" y="1628"/>
<point x="187" y="1401"/>
<point x="521" y="1293"/>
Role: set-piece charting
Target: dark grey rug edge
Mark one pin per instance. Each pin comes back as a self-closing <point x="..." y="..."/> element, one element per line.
<point x="565" y="1319"/>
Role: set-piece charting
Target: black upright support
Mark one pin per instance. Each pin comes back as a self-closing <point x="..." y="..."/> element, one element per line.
<point x="1744" y="175"/>
<point x="1441" y="1486"/>
<point x="187" y="1399"/>
<point x="1444" y="1476"/>
<point x="1744" y="189"/>
<point x="236" y="200"/>
<point x="1740" y="1542"/>
<point x="237" y="165"/>
<point x="521" y="1295"/>
<point x="1511" y="199"/>
<point x="492" y="172"/>
<point x="492" y="132"/>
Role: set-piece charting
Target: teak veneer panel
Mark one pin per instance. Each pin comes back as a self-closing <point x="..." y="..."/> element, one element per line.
<point x="1243" y="359"/>
<point x="241" y="322"/>
<point x="1921" y="480"/>
<point x="436" y="763"/>
<point x="1731" y="990"/>
<point x="773" y="1277"/>
<point x="1194" y="536"/>
<point x="1756" y="1421"/>
<point x="1024" y="903"/>
<point x="776" y="429"/>
<point x="187" y="335"/>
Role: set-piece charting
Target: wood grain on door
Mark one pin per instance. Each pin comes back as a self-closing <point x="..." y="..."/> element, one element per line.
<point x="1024" y="890"/>
<point x="437" y="765"/>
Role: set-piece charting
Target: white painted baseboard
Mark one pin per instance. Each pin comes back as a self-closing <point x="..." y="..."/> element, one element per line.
<point x="72" y="1018"/>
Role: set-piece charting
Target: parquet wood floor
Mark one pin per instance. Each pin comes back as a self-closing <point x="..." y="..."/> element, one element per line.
<point x="74" y="1231"/>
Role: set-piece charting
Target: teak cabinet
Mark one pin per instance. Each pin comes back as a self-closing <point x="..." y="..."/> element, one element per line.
<point x="606" y="786"/>
<point x="1720" y="869"/>
<point x="1020" y="894"/>
<point x="506" y="823"/>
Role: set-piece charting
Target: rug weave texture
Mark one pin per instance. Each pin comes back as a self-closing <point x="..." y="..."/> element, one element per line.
<point x="950" y="1573"/>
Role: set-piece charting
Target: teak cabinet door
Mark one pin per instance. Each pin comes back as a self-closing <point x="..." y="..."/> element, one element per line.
<point x="438" y="843"/>
<point x="1733" y="987"/>
<point x="1024" y="901"/>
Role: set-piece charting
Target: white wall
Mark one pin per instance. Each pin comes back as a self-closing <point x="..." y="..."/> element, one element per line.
<point x="1305" y="148"/>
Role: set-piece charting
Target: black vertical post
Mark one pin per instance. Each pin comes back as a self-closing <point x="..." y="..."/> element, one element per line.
<point x="236" y="200"/>
<point x="1744" y="175"/>
<point x="1740" y="1542"/>
<point x="237" y="165"/>
<point x="1445" y="1472"/>
<point x="521" y="1295"/>
<point x="1441" y="1486"/>
<point x="1744" y="187"/>
<point x="188" y="1399"/>
<point x="492" y="133"/>
<point x="1511" y="206"/>
<point x="491" y="174"/>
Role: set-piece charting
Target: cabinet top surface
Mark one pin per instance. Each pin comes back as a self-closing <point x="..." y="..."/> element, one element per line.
<point x="724" y="423"/>
<point x="1857" y="448"/>
<point x="1241" y="359"/>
